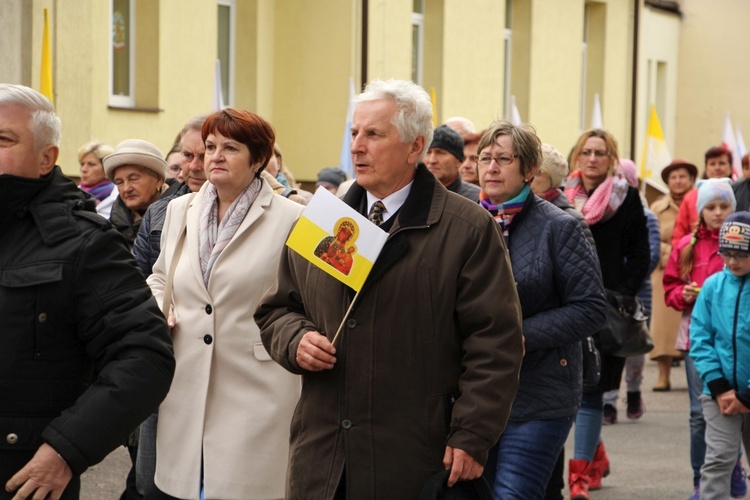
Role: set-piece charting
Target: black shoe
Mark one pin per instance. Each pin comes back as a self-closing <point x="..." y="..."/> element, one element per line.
<point x="635" y="405"/>
<point x="610" y="415"/>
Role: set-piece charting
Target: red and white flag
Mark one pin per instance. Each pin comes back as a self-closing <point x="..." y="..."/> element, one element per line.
<point x="730" y="142"/>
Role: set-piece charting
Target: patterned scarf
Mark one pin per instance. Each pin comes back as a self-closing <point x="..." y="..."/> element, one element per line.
<point x="213" y="237"/>
<point x="100" y="190"/>
<point x="603" y="202"/>
<point x="505" y="212"/>
<point x="551" y="194"/>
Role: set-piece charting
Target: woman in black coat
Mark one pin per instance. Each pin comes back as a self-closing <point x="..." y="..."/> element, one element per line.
<point x="615" y="215"/>
<point x="561" y="293"/>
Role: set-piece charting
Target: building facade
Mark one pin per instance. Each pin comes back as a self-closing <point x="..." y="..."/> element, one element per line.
<point x="141" y="68"/>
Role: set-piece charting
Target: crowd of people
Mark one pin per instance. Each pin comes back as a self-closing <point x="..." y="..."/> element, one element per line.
<point x="156" y="305"/>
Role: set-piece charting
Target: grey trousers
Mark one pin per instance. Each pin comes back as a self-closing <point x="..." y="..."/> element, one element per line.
<point x="723" y="439"/>
<point x="145" y="466"/>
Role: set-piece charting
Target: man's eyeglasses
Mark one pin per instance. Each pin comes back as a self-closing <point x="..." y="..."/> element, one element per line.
<point x="499" y="159"/>
<point x="738" y="256"/>
<point x="599" y="153"/>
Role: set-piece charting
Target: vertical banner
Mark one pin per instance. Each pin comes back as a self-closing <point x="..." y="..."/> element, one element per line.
<point x="655" y="152"/>
<point x="45" y="84"/>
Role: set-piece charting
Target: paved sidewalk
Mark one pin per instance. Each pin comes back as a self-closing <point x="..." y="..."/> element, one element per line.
<point x="649" y="457"/>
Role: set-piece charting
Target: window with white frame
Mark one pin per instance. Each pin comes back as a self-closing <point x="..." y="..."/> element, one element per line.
<point x="417" y="41"/>
<point x="122" y="53"/>
<point x="225" y="44"/>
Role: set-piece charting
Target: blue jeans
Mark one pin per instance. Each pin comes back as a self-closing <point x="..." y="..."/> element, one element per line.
<point x="588" y="426"/>
<point x="526" y="455"/>
<point x="697" y="423"/>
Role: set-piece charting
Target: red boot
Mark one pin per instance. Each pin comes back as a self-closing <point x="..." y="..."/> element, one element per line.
<point x="599" y="467"/>
<point x="578" y="479"/>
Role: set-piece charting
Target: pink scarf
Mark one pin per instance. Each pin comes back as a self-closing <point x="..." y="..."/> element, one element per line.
<point x="603" y="202"/>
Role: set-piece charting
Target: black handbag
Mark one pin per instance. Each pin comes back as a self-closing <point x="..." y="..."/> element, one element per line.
<point x="592" y="364"/>
<point x="626" y="331"/>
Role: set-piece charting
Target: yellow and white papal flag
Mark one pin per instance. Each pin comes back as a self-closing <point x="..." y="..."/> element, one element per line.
<point x="336" y="238"/>
<point x="655" y="151"/>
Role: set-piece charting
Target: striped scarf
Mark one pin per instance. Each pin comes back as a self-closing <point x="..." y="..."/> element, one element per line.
<point x="100" y="190"/>
<point x="213" y="237"/>
<point x="603" y="202"/>
<point x="504" y="212"/>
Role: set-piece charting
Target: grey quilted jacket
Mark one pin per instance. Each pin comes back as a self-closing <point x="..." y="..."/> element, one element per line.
<point x="562" y="300"/>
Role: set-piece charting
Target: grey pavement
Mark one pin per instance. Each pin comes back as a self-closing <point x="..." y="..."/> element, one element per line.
<point x="649" y="457"/>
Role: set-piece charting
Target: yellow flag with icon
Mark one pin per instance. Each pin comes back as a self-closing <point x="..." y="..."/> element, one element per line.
<point x="336" y="238"/>
<point x="655" y="151"/>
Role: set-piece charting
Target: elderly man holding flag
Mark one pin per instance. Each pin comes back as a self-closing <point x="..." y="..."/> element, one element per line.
<point x="424" y="372"/>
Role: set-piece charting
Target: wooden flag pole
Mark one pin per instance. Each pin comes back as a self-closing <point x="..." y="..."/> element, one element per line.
<point x="341" y="326"/>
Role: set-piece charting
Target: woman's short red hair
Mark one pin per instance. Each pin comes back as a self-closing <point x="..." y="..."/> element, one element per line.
<point x="245" y="127"/>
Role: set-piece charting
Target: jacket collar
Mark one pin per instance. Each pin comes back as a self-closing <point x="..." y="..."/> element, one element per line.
<point x="50" y="200"/>
<point x="423" y="206"/>
<point x="257" y="209"/>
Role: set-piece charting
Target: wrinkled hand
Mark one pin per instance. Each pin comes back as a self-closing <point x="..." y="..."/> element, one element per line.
<point x="689" y="292"/>
<point x="462" y="466"/>
<point x="45" y="474"/>
<point x="315" y="352"/>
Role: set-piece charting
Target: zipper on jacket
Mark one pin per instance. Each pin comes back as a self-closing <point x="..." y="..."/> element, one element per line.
<point x="734" y="331"/>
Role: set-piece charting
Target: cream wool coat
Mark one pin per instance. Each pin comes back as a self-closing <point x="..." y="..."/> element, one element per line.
<point x="228" y="398"/>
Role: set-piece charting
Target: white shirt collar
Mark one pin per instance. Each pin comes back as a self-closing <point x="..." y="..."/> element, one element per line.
<point x="392" y="202"/>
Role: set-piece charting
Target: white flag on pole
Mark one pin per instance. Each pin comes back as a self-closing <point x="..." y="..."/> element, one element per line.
<point x="730" y="142"/>
<point x="345" y="162"/>
<point x="596" y="114"/>
<point x="515" y="117"/>
<point x="218" y="100"/>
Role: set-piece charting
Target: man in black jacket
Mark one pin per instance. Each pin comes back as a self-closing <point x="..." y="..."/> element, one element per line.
<point x="73" y="304"/>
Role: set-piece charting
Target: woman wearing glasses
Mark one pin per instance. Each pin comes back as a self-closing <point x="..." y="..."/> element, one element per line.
<point x="615" y="215"/>
<point x="561" y="293"/>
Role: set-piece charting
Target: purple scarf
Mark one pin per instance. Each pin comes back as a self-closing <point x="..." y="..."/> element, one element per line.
<point x="100" y="190"/>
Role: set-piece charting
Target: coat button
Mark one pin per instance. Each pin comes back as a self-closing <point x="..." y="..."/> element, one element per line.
<point x="209" y="309"/>
<point x="42" y="317"/>
<point x="208" y="339"/>
<point x="351" y="323"/>
<point x="12" y="438"/>
<point x="563" y="362"/>
<point x="346" y="424"/>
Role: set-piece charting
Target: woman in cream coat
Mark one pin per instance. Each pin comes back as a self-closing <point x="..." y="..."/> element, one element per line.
<point x="224" y="426"/>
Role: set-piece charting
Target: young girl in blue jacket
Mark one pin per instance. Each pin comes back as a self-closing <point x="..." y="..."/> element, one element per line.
<point x="720" y="348"/>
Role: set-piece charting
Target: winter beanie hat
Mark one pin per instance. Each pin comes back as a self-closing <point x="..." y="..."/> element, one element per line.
<point x="448" y="139"/>
<point x="715" y="189"/>
<point x="735" y="233"/>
